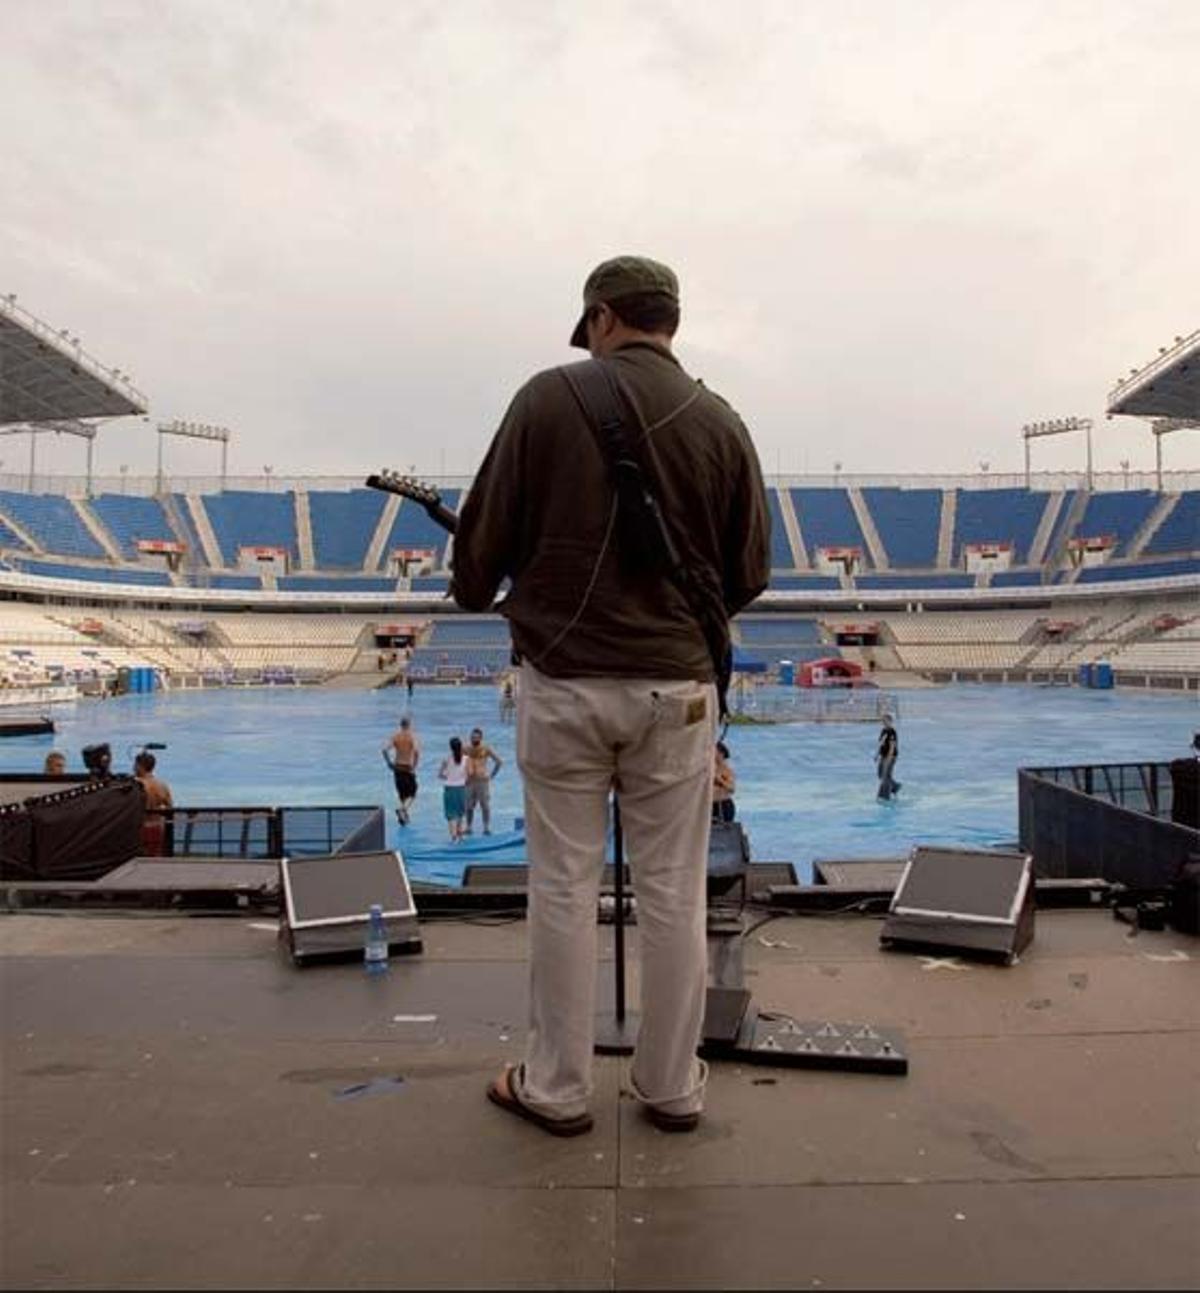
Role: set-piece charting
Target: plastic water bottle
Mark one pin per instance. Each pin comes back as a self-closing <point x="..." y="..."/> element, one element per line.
<point x="375" y="952"/>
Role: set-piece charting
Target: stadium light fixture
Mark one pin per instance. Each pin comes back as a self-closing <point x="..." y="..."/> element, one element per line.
<point x="84" y="430"/>
<point x="192" y="431"/>
<point x="1164" y="426"/>
<point x="1057" y="426"/>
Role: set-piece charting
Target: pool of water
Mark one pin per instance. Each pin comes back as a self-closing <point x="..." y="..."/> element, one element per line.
<point x="805" y="790"/>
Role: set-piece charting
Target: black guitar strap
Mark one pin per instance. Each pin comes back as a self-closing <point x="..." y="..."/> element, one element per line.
<point x="645" y="543"/>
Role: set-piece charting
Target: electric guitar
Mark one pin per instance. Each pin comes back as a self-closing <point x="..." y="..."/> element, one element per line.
<point x="391" y="482"/>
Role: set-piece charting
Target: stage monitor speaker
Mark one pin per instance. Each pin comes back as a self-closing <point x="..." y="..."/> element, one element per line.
<point x="971" y="901"/>
<point x="327" y="903"/>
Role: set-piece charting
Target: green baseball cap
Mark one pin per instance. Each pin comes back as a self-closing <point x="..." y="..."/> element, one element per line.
<point x="623" y="276"/>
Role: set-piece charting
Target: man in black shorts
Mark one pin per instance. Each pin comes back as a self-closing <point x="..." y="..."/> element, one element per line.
<point x="402" y="755"/>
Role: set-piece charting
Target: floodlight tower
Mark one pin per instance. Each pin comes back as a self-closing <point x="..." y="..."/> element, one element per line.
<point x="60" y="426"/>
<point x="1057" y="426"/>
<point x="1164" y="426"/>
<point x="192" y="431"/>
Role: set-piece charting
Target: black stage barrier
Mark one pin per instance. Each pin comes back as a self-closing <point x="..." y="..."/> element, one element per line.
<point x="77" y="833"/>
<point x="1111" y="821"/>
<point x="262" y="832"/>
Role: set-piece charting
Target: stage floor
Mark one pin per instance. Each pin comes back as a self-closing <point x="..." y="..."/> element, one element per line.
<point x="182" y="1108"/>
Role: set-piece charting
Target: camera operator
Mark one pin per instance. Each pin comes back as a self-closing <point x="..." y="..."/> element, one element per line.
<point x="621" y="642"/>
<point x="97" y="759"/>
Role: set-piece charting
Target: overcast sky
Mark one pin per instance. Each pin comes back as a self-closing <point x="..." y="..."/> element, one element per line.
<point x="348" y="231"/>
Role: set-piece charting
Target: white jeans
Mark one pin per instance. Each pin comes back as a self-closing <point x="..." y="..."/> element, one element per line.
<point x="575" y="737"/>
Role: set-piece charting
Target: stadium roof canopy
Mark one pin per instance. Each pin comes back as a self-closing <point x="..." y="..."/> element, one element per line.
<point x="1167" y="387"/>
<point x="46" y="375"/>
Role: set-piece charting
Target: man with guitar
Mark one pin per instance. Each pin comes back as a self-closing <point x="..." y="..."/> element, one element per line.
<point x="625" y="503"/>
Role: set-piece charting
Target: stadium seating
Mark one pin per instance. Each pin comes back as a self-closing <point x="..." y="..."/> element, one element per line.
<point x="781" y="549"/>
<point x="130" y="517"/>
<point x="97" y="574"/>
<point x="246" y="518"/>
<point x="235" y="581"/>
<point x="805" y="582"/>
<point x="343" y="525"/>
<point x="324" y="584"/>
<point x="1180" y="532"/>
<point x="52" y="521"/>
<point x="1138" y="570"/>
<point x="1062" y="530"/>
<point x="463" y="661"/>
<point x="908" y="522"/>
<point x="934" y="581"/>
<point x="469" y="632"/>
<point x="998" y="516"/>
<point x="1120" y="514"/>
<point x="195" y="547"/>
<point x="827" y="519"/>
<point x="413" y="528"/>
<point x="1016" y="578"/>
<point x="756" y="631"/>
<point x="9" y="538"/>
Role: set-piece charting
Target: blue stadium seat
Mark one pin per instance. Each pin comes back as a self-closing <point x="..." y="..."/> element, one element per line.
<point x="474" y="661"/>
<point x="97" y="574"/>
<point x="343" y="525"/>
<point x="9" y="538"/>
<point x="131" y="517"/>
<point x="1059" y="533"/>
<point x="252" y="519"/>
<point x="802" y="583"/>
<point x="1121" y="514"/>
<point x="781" y="550"/>
<point x="827" y="520"/>
<point x="778" y="628"/>
<point x="331" y="584"/>
<point x="1180" y="532"/>
<point x="53" y="523"/>
<point x="456" y="632"/>
<point x="998" y="516"/>
<point x="195" y="553"/>
<point x="915" y="581"/>
<point x="1138" y="570"/>
<point x="235" y="581"/>
<point x="1016" y="578"/>
<point x="908" y="521"/>
<point x="412" y="528"/>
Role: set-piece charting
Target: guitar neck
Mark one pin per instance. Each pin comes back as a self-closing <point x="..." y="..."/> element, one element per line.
<point x="423" y="496"/>
<point x="440" y="513"/>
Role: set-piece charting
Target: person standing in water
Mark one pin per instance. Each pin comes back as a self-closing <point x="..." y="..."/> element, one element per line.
<point x="886" y="754"/>
<point x="453" y="772"/>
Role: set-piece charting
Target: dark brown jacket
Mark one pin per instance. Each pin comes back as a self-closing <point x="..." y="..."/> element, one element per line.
<point x="540" y="506"/>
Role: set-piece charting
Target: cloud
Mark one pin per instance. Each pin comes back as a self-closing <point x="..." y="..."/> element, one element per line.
<point x="349" y="232"/>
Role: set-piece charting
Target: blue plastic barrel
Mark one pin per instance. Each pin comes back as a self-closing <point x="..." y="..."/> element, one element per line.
<point x="1102" y="676"/>
<point x="1085" y="675"/>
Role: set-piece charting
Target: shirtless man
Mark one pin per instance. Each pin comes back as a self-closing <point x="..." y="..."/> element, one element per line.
<point x="158" y="798"/>
<point x="402" y="755"/>
<point x="479" y="779"/>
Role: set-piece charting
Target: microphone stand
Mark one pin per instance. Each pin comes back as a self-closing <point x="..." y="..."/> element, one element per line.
<point x="617" y="1035"/>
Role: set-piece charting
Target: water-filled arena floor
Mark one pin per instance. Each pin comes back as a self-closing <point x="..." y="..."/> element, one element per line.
<point x="805" y="790"/>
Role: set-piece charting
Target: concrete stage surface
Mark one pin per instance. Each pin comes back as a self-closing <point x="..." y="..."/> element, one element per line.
<point x="183" y="1109"/>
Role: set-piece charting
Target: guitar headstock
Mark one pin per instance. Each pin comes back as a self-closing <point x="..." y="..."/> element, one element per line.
<point x="393" y="482"/>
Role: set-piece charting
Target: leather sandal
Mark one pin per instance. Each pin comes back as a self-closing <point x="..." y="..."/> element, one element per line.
<point x="672" y="1121"/>
<point x="500" y="1092"/>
